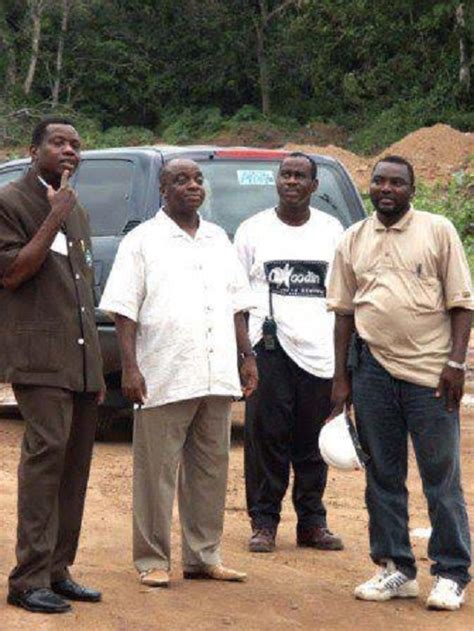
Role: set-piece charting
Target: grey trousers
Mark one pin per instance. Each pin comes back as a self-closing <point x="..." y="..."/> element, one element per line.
<point x="194" y="436"/>
<point x="52" y="482"/>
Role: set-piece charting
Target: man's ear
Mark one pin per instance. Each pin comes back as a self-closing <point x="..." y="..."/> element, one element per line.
<point x="315" y="184"/>
<point x="413" y="191"/>
<point x="33" y="153"/>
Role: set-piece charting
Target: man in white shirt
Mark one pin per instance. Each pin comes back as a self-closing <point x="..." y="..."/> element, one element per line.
<point x="178" y="294"/>
<point x="286" y="252"/>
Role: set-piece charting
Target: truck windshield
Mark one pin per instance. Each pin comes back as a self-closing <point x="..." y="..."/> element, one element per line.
<point x="236" y="190"/>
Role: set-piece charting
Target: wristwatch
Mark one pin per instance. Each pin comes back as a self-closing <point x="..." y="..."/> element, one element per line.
<point x="245" y="354"/>
<point x="452" y="364"/>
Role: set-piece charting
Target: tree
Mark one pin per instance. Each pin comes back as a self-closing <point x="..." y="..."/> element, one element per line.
<point x="36" y="8"/>
<point x="464" y="71"/>
<point x="263" y="17"/>
<point x="66" y="6"/>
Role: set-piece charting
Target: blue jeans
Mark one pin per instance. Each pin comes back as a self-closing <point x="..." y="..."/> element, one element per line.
<point x="387" y="410"/>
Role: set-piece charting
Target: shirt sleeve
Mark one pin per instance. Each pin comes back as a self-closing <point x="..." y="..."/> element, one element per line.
<point x="243" y="249"/>
<point x="342" y="283"/>
<point x="12" y="238"/>
<point x="239" y="287"/>
<point x="454" y="270"/>
<point x="125" y="289"/>
<point x="337" y="235"/>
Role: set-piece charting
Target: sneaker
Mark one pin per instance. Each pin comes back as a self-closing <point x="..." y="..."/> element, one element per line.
<point x="446" y="594"/>
<point x="386" y="584"/>
<point x="262" y="540"/>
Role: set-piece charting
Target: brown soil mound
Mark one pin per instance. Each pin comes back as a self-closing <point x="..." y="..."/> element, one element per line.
<point x="435" y="152"/>
<point x="358" y="166"/>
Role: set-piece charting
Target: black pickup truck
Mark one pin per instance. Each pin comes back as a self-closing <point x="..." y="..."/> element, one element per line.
<point x="120" y="189"/>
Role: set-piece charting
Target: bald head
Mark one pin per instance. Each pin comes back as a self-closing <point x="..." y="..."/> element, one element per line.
<point x="182" y="186"/>
<point x="174" y="166"/>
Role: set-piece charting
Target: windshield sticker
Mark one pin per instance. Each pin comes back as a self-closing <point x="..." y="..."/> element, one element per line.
<point x="255" y="178"/>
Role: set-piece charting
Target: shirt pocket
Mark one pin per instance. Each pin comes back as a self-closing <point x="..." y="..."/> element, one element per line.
<point x="427" y="293"/>
<point x="38" y="346"/>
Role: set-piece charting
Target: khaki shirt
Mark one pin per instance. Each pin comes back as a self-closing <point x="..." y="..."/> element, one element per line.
<point x="400" y="283"/>
<point x="48" y="334"/>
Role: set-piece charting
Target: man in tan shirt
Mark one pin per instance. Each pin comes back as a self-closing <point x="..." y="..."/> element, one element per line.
<point x="401" y="281"/>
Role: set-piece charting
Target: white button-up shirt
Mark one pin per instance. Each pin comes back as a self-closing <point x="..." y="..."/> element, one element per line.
<point x="183" y="293"/>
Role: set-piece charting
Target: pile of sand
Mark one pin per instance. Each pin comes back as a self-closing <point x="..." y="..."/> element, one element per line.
<point x="435" y="152"/>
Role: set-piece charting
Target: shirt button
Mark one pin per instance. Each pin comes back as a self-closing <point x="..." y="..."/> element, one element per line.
<point x="71" y="244"/>
<point x="80" y="341"/>
<point x="387" y="254"/>
<point x="83" y="309"/>
<point x="211" y="350"/>
<point x="77" y="276"/>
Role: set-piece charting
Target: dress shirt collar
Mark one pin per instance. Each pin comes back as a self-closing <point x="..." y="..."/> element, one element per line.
<point x="204" y="230"/>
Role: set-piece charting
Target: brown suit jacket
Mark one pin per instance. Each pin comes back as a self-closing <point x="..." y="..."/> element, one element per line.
<point x="48" y="335"/>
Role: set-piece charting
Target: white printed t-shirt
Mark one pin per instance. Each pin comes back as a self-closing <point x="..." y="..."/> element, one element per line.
<point x="183" y="293"/>
<point x="296" y="261"/>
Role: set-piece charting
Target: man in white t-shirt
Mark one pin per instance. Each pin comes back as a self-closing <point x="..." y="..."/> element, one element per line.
<point x="286" y="252"/>
<point x="178" y="293"/>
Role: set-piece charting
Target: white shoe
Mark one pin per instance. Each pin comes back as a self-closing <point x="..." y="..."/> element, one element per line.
<point x="446" y="594"/>
<point x="386" y="584"/>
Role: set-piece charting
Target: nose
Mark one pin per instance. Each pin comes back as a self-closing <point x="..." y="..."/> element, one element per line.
<point x="194" y="184"/>
<point x="385" y="186"/>
<point x="69" y="150"/>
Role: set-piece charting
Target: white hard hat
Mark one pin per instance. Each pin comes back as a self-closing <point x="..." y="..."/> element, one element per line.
<point x="339" y="444"/>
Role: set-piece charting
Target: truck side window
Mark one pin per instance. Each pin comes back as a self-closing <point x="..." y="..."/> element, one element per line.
<point x="104" y="188"/>
<point x="10" y="175"/>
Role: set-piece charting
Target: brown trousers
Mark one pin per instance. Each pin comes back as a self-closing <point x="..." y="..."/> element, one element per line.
<point x="52" y="481"/>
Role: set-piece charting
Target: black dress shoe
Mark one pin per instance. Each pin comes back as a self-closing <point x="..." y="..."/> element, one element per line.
<point x="73" y="591"/>
<point x="320" y="538"/>
<point x="39" y="600"/>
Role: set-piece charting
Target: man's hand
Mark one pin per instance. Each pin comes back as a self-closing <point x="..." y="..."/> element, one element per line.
<point x="249" y="375"/>
<point x="341" y="395"/>
<point x="133" y="385"/>
<point x="100" y="396"/>
<point x="63" y="200"/>
<point x="451" y="386"/>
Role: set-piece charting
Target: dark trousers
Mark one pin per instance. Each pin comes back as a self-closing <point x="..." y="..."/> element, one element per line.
<point x="52" y="481"/>
<point x="282" y="423"/>
<point x="387" y="411"/>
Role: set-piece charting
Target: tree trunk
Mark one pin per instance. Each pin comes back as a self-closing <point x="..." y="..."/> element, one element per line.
<point x="8" y="50"/>
<point x="464" y="73"/>
<point x="59" y="56"/>
<point x="36" y="9"/>
<point x="264" y="78"/>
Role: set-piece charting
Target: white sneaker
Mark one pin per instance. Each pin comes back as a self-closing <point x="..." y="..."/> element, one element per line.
<point x="446" y="594"/>
<point x="386" y="584"/>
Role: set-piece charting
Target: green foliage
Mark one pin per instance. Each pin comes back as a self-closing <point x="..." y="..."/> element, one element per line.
<point x="456" y="202"/>
<point x="132" y="62"/>
<point x="125" y="136"/>
<point x="191" y="124"/>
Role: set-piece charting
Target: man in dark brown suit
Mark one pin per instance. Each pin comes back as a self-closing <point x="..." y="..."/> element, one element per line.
<point x="50" y="354"/>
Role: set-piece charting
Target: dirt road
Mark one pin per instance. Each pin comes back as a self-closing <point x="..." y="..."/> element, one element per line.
<point x="297" y="588"/>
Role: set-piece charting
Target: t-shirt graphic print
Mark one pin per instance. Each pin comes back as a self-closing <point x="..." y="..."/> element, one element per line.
<point x="297" y="278"/>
